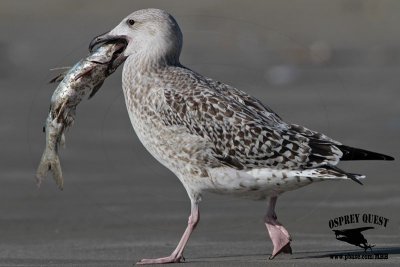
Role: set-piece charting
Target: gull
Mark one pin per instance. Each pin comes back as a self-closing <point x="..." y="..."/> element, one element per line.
<point x="212" y="136"/>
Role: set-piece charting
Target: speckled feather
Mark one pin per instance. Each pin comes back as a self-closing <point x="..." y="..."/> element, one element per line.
<point x="243" y="132"/>
<point x="195" y="126"/>
<point x="212" y="135"/>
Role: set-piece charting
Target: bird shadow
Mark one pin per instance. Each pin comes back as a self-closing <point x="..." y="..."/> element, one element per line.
<point x="338" y="253"/>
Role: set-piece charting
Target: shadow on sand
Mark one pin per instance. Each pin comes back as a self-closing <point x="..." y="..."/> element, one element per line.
<point x="306" y="254"/>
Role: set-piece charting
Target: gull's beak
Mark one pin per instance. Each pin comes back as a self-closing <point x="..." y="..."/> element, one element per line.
<point x="104" y="38"/>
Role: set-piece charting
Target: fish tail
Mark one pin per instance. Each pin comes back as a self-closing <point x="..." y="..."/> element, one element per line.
<point x="62" y="140"/>
<point x="50" y="163"/>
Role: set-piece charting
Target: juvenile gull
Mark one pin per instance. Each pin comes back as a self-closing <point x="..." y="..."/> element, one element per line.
<point x="212" y="136"/>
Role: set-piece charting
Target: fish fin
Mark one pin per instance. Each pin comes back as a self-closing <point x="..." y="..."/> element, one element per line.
<point x="59" y="77"/>
<point x="95" y="89"/>
<point x="55" y="168"/>
<point x="61" y="68"/>
<point x="87" y="72"/>
<point x="60" y="110"/>
<point x="62" y="140"/>
<point x="49" y="163"/>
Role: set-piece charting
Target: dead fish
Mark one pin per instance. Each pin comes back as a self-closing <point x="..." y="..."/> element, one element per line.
<point x="86" y="77"/>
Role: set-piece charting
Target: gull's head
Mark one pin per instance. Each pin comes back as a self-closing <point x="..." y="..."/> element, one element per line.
<point x="150" y="34"/>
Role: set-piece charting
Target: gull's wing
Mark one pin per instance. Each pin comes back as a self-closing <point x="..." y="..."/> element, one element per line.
<point x="242" y="97"/>
<point x="245" y="134"/>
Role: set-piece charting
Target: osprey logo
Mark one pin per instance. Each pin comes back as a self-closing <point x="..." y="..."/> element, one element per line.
<point x="354" y="237"/>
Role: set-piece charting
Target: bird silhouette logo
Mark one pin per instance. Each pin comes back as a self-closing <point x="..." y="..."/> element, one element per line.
<point x="354" y="237"/>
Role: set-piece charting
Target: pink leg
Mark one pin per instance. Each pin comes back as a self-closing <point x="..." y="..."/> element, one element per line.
<point x="177" y="254"/>
<point x="279" y="235"/>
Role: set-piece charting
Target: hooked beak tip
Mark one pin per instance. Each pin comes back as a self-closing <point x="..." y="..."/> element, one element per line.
<point x="97" y="40"/>
<point x="106" y="37"/>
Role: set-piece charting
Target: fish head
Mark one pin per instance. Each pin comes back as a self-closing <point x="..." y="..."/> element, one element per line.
<point x="109" y="54"/>
<point x="151" y="34"/>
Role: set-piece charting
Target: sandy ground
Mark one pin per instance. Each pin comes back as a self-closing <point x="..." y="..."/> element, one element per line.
<point x="120" y="205"/>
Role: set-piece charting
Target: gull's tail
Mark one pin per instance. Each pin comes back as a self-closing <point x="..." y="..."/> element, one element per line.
<point x="330" y="172"/>
<point x="352" y="153"/>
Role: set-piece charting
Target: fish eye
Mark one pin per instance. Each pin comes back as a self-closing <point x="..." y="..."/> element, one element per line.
<point x="130" y="22"/>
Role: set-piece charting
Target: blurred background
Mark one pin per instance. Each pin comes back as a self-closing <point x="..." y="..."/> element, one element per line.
<point x="332" y="66"/>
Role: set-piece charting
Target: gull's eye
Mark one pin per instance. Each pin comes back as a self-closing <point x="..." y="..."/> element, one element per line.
<point x="130" y="22"/>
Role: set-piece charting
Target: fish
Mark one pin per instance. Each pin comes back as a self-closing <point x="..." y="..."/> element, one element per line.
<point x="84" y="78"/>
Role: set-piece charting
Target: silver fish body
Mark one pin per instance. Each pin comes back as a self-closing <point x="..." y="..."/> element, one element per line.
<point x="86" y="77"/>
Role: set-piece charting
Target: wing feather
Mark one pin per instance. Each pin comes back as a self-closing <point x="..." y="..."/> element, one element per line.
<point x="245" y="133"/>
